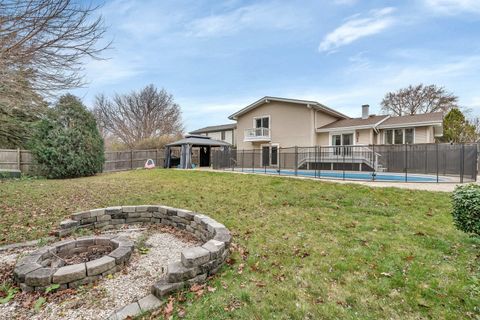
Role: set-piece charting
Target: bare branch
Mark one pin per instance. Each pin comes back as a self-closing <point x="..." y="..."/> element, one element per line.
<point x="47" y="41"/>
<point x="137" y="116"/>
<point x="418" y="99"/>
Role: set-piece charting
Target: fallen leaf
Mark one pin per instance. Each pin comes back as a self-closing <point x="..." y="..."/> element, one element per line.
<point x="211" y="289"/>
<point x="168" y="310"/>
<point x="240" y="268"/>
<point x="196" y="287"/>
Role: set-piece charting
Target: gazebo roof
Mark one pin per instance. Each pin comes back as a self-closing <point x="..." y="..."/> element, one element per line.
<point x="199" y="141"/>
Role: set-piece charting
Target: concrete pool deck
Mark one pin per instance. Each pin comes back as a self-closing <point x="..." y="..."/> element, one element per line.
<point x="427" y="186"/>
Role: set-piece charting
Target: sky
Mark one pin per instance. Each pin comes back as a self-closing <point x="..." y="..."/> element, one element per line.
<point x="217" y="57"/>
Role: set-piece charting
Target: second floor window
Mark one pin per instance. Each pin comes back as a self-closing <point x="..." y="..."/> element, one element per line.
<point x="223" y="135"/>
<point x="263" y="122"/>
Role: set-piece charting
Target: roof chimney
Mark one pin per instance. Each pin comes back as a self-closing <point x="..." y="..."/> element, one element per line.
<point x="365" y="111"/>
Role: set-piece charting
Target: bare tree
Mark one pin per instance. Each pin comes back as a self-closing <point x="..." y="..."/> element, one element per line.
<point x="418" y="99"/>
<point x="137" y="116"/>
<point x="45" y="42"/>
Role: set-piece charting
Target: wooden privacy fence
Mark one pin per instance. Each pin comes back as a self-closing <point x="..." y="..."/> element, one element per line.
<point x="16" y="159"/>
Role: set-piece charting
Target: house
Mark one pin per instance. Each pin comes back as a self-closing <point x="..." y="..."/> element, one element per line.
<point x="271" y="123"/>
<point x="224" y="132"/>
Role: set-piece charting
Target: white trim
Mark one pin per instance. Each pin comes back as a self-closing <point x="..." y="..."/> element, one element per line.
<point x="341" y="139"/>
<point x="379" y="125"/>
<point x="261" y="117"/>
<point x="267" y="99"/>
<point x="411" y="124"/>
<point x="269" y="145"/>
<point x="341" y="129"/>
<point x="278" y="150"/>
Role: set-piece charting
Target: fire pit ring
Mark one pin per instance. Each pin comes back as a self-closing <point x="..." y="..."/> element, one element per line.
<point x="72" y="263"/>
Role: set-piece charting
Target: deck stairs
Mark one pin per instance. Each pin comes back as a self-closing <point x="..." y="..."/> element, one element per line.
<point x="342" y="154"/>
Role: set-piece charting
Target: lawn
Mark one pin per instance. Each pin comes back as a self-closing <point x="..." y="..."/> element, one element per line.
<point x="305" y="249"/>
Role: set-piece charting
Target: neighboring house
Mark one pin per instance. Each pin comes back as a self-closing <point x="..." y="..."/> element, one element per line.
<point x="272" y="123"/>
<point x="224" y="132"/>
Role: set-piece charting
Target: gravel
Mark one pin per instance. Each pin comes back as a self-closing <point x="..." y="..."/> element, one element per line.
<point x="111" y="293"/>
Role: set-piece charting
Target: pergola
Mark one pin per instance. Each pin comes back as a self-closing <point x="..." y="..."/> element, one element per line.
<point x="186" y="144"/>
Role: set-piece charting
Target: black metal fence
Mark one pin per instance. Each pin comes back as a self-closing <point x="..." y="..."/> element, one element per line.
<point x="403" y="163"/>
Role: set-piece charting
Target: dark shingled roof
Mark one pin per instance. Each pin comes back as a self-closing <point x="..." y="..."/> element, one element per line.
<point x="222" y="127"/>
<point x="199" y="141"/>
<point x="354" y="122"/>
<point x="412" y="119"/>
<point x="391" y="121"/>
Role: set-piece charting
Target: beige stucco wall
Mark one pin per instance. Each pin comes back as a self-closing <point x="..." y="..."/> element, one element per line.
<point x="229" y="136"/>
<point x="364" y="136"/>
<point x="323" y="139"/>
<point x="291" y="124"/>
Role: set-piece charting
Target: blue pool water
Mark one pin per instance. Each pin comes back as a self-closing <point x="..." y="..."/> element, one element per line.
<point x="379" y="176"/>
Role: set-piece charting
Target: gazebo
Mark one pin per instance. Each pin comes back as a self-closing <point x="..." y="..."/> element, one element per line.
<point x="186" y="144"/>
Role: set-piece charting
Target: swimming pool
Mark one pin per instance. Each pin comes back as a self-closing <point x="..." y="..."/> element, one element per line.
<point x="347" y="175"/>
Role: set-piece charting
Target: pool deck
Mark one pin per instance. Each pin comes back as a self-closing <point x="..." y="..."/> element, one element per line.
<point x="427" y="186"/>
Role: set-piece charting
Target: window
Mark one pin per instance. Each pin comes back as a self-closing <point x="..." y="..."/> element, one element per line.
<point x="223" y="135"/>
<point x="263" y="122"/>
<point x="409" y="136"/>
<point x="336" y="140"/>
<point x="399" y="136"/>
<point x="389" y="137"/>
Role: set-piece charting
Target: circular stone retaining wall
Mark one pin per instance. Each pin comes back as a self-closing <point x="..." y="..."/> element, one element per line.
<point x="46" y="266"/>
<point x="195" y="264"/>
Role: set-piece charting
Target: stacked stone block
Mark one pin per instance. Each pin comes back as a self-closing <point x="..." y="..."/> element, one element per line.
<point x="195" y="264"/>
<point x="40" y="269"/>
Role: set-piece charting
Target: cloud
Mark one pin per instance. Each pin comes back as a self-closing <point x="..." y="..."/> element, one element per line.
<point x="267" y="16"/>
<point x="352" y="86"/>
<point x="357" y="27"/>
<point x="345" y="2"/>
<point x="450" y="7"/>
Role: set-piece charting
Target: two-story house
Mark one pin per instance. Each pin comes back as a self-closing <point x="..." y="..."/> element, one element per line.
<point x="271" y="123"/>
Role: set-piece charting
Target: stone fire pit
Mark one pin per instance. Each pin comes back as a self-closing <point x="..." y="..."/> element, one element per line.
<point x="72" y="263"/>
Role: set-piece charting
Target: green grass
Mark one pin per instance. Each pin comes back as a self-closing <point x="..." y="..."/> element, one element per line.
<point x="316" y="250"/>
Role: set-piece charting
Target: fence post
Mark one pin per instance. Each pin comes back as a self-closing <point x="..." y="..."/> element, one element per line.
<point x="462" y="159"/>
<point x="156" y="157"/>
<point x="406" y="162"/>
<point x="296" y="160"/>
<point x="320" y="163"/>
<point x="19" y="162"/>
<point x="131" y="159"/>
<point x="436" y="144"/>
<point x="344" y="151"/>
<point x="279" y="160"/>
<point x="426" y="158"/>
<point x="243" y="158"/>
<point x="475" y="168"/>
<point x="374" y="158"/>
<point x="253" y="160"/>
<point x="316" y="154"/>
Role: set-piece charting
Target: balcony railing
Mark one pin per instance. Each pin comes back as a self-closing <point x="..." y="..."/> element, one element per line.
<point x="257" y="134"/>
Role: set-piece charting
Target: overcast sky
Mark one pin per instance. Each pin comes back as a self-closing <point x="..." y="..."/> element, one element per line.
<point x="216" y="57"/>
